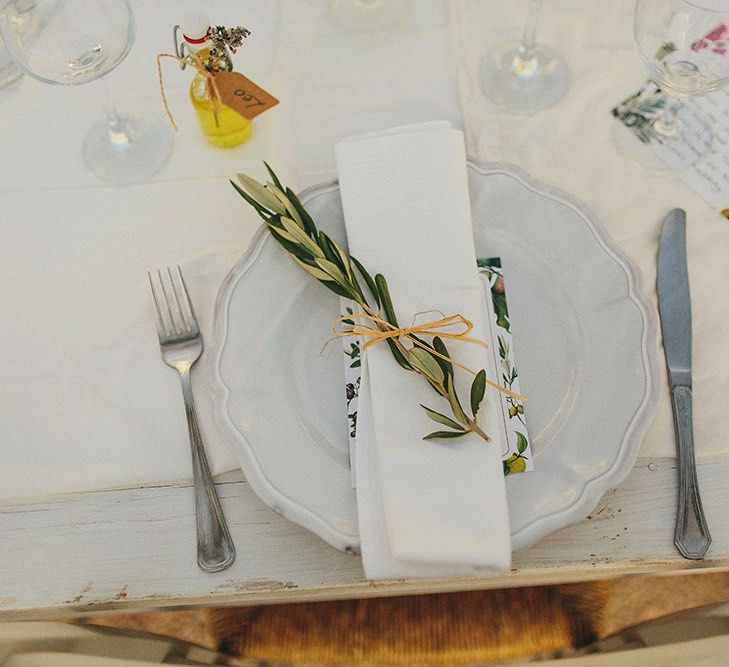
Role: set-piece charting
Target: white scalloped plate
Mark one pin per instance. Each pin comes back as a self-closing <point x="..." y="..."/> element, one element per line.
<point x="585" y="341"/>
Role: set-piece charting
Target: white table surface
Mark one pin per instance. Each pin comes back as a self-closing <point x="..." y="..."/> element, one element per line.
<point x="134" y="546"/>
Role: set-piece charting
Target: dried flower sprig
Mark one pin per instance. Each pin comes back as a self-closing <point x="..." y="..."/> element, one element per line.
<point x="315" y="252"/>
<point x="224" y="40"/>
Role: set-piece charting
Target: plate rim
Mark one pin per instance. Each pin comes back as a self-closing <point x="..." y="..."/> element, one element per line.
<point x="591" y="491"/>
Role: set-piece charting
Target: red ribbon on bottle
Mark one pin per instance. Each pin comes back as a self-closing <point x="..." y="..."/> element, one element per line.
<point x="202" y="40"/>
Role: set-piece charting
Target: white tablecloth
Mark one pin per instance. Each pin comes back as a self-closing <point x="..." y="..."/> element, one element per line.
<point x="86" y="403"/>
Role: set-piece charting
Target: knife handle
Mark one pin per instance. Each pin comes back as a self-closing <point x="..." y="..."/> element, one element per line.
<point x="692" y="537"/>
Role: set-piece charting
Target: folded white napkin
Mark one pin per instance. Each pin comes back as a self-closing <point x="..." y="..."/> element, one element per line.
<point x="426" y="508"/>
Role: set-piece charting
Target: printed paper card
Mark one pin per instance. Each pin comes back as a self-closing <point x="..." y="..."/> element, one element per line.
<point x="704" y="122"/>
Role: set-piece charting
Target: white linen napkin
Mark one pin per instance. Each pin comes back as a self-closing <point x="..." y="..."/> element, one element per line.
<point x="426" y="508"/>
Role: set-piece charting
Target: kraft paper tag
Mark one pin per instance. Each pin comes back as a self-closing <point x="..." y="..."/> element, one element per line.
<point x="242" y="95"/>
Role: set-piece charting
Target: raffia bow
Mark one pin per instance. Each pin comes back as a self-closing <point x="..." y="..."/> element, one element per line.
<point x="443" y="328"/>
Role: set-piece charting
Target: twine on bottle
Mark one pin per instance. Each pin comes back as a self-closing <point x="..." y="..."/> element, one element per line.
<point x="193" y="60"/>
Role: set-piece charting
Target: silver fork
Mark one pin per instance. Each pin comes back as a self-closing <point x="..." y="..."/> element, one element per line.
<point x="181" y="345"/>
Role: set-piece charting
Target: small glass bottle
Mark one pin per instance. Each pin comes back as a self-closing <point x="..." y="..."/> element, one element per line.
<point x="222" y="126"/>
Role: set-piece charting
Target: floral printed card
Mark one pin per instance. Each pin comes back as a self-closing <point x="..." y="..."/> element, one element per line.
<point x="500" y="364"/>
<point x="352" y="379"/>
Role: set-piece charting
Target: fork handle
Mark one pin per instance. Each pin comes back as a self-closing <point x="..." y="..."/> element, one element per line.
<point x="215" y="550"/>
<point x="692" y="537"/>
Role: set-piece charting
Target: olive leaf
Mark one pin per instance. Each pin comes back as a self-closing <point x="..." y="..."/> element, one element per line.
<point x="261" y="210"/>
<point x="330" y="252"/>
<point x="453" y="400"/>
<point x="368" y="279"/>
<point x="261" y="194"/>
<point x="389" y="313"/>
<point x="273" y="176"/>
<point x="282" y="236"/>
<point x="399" y="356"/>
<point x="423" y="361"/>
<point x="332" y="269"/>
<point x="381" y="284"/>
<point x="309" y="225"/>
<point x="292" y="212"/>
<point x="313" y="270"/>
<point x="442" y="419"/>
<point x="478" y="388"/>
<point x="438" y="435"/>
<point x="441" y="349"/>
<point x="301" y="236"/>
<point x="337" y="289"/>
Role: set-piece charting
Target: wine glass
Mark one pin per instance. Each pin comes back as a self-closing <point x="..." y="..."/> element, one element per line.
<point x="72" y="42"/>
<point x="525" y="77"/>
<point x="684" y="45"/>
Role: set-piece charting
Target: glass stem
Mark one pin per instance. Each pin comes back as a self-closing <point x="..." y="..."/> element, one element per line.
<point x="529" y="40"/>
<point x="667" y="123"/>
<point x="118" y="131"/>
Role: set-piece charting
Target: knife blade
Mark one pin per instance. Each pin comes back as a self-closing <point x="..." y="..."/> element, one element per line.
<point x="692" y="537"/>
<point x="674" y="298"/>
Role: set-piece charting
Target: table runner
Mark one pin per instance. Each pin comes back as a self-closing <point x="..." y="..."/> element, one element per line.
<point x="342" y="82"/>
<point x="571" y="147"/>
<point x="43" y="181"/>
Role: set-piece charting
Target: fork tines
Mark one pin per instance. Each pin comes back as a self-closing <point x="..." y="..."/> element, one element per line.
<point x="174" y="312"/>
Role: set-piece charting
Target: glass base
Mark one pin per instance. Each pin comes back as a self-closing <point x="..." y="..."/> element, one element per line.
<point x="367" y="16"/>
<point x="662" y="154"/>
<point x="8" y="72"/>
<point x="132" y="156"/>
<point x="524" y="86"/>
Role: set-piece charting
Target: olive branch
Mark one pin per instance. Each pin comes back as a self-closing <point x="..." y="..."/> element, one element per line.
<point x="315" y="252"/>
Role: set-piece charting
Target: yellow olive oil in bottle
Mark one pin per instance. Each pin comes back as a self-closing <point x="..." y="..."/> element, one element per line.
<point x="222" y="126"/>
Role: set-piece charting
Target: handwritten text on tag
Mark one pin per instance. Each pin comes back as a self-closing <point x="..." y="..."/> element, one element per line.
<point x="242" y="95"/>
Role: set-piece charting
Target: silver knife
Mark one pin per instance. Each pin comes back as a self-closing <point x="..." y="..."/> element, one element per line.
<point x="692" y="537"/>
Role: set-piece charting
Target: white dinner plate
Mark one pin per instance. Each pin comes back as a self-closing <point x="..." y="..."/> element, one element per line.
<point x="584" y="336"/>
